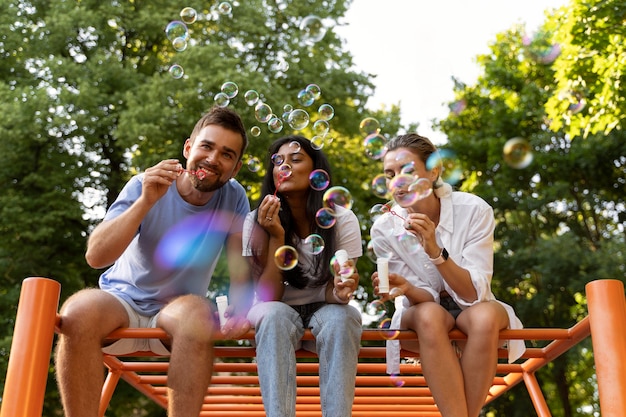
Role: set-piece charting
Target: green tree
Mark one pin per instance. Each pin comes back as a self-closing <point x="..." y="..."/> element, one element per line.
<point x="88" y="101"/>
<point x="590" y="69"/>
<point x="560" y="217"/>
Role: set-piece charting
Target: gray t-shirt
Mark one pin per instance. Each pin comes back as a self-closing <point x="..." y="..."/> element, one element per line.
<point x="176" y="247"/>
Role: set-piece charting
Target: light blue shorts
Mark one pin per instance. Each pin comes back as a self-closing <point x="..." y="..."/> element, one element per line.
<point x="136" y="320"/>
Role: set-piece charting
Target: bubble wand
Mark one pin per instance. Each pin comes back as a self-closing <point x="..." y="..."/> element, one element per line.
<point x="284" y="172"/>
<point x="199" y="173"/>
<point x="392" y="212"/>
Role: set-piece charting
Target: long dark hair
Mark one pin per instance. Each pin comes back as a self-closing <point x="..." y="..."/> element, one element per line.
<point x="319" y="273"/>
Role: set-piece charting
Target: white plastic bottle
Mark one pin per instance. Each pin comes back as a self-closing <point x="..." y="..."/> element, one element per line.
<point x="222" y="303"/>
<point x="342" y="257"/>
<point x="382" y="265"/>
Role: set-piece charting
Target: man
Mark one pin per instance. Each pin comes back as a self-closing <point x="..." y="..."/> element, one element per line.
<point x="159" y="271"/>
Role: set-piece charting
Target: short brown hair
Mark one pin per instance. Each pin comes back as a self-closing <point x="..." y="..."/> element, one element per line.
<point x="226" y="118"/>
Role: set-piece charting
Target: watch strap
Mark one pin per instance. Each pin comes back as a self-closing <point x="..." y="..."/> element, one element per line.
<point x="443" y="256"/>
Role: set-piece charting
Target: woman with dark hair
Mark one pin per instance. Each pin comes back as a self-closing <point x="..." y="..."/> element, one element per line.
<point x="311" y="294"/>
<point x="444" y="277"/>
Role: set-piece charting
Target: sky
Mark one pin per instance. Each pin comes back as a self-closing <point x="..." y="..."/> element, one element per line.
<point x="415" y="47"/>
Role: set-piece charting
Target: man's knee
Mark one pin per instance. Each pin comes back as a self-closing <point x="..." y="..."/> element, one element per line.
<point x="188" y="316"/>
<point x="91" y="311"/>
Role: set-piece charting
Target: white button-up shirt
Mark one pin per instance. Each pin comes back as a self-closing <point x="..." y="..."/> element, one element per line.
<point x="465" y="229"/>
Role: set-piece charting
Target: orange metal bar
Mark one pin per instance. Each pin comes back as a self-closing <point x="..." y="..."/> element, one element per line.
<point x="607" y="315"/>
<point x="235" y="390"/>
<point x="29" y="360"/>
<point x="108" y="389"/>
<point x="536" y="396"/>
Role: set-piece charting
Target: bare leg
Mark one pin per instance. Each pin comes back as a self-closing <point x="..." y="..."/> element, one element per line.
<point x="188" y="319"/>
<point x="481" y="323"/>
<point x="87" y="318"/>
<point x="440" y="363"/>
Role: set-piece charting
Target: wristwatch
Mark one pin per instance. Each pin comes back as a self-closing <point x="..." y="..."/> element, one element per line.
<point x="443" y="256"/>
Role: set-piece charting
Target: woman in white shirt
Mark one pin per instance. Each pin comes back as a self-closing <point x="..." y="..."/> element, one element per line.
<point x="440" y="249"/>
<point x="309" y="295"/>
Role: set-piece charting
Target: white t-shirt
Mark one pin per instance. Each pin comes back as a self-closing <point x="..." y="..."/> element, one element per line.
<point x="465" y="229"/>
<point x="348" y="237"/>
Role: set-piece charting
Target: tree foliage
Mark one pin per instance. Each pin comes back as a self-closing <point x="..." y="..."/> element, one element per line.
<point x="88" y="101"/>
<point x="561" y="217"/>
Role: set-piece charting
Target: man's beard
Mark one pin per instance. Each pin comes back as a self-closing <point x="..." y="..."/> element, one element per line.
<point x="206" y="185"/>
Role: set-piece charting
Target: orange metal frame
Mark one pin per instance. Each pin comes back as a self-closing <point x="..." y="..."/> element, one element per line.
<point x="235" y="388"/>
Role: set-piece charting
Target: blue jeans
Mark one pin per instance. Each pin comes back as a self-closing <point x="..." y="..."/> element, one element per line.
<point x="337" y="330"/>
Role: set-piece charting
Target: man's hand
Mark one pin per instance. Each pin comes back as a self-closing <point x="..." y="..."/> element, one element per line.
<point x="158" y="178"/>
<point x="235" y="326"/>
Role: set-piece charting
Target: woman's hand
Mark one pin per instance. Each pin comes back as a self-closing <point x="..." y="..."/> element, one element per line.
<point x="267" y="214"/>
<point x="397" y="285"/>
<point x="344" y="286"/>
<point x="423" y="228"/>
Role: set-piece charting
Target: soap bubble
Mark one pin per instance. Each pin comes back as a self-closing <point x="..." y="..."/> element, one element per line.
<point x="396" y="380"/>
<point x="370" y="249"/>
<point x="321" y="127"/>
<point x="314" y="244"/>
<point x="379" y="186"/>
<point x="376" y="309"/>
<point x="344" y="270"/>
<point x="315" y="90"/>
<point x="294" y="146"/>
<point x="369" y="125"/>
<point x="375" y="145"/>
<point x="255" y="131"/>
<point x="410" y="242"/>
<point x="275" y="125"/>
<point x="254" y="165"/>
<point x="335" y="197"/>
<point x="179" y="44"/>
<point x="400" y="188"/>
<point x="305" y="98"/>
<point x="230" y="89"/>
<point x="318" y="142"/>
<point x="577" y="106"/>
<point x="251" y="97"/>
<point x="224" y="8"/>
<point x="319" y="179"/>
<point x="451" y="171"/>
<point x="517" y="153"/>
<point x="326" y="112"/>
<point x="263" y="112"/>
<point x="188" y="15"/>
<point x="298" y="119"/>
<point x="284" y="171"/>
<point x="312" y="29"/>
<point x="221" y="99"/>
<point x="286" y="257"/>
<point x="194" y="241"/>
<point x="387" y="332"/>
<point x="408" y="168"/>
<point x="395" y="292"/>
<point x="324" y="218"/>
<point x="176" y="29"/>
<point x="376" y="211"/>
<point x="176" y="71"/>
<point x="277" y="159"/>
<point x="421" y="188"/>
